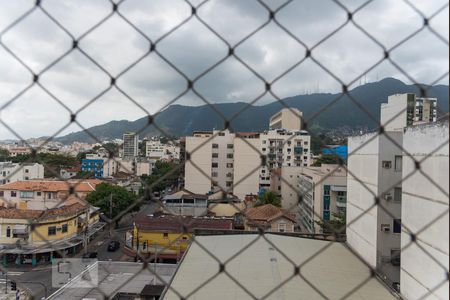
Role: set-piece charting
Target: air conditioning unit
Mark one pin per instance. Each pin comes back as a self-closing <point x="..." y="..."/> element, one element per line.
<point x="388" y="197"/>
<point x="385" y="227"/>
<point x="386" y="164"/>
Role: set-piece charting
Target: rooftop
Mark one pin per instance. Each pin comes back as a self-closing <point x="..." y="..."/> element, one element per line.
<point x="175" y="223"/>
<point x="334" y="270"/>
<point x="267" y="213"/>
<point x="49" y="185"/>
<point x="117" y="277"/>
<point x="14" y="213"/>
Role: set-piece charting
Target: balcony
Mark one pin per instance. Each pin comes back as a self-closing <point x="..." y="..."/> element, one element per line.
<point x="298" y="150"/>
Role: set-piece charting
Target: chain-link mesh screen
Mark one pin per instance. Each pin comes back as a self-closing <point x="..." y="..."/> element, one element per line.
<point x="86" y="45"/>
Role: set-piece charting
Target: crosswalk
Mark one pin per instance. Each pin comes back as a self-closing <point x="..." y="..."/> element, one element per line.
<point x="14" y="273"/>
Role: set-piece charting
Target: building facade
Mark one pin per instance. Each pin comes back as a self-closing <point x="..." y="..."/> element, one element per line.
<point x="287" y="118"/>
<point x="11" y="172"/>
<point x="130" y="145"/>
<point x="154" y="149"/>
<point x="99" y="164"/>
<point x="425" y="202"/>
<point x="232" y="162"/>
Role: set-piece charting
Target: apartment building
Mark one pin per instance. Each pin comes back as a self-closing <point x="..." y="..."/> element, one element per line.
<point x="11" y="172"/>
<point x="287" y="118"/>
<point x="99" y="164"/>
<point x="44" y="194"/>
<point x="233" y="162"/>
<point x="425" y="263"/>
<point x="154" y="149"/>
<point x="375" y="177"/>
<point x="404" y="110"/>
<point x="130" y="145"/>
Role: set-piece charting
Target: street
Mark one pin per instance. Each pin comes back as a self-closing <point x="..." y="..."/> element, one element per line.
<point x="34" y="279"/>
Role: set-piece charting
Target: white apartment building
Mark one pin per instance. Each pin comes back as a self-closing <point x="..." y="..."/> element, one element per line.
<point x="287" y="118"/>
<point x="323" y="190"/>
<point x="157" y="150"/>
<point x="375" y="166"/>
<point x="425" y="265"/>
<point x="130" y="145"/>
<point x="404" y="110"/>
<point x="11" y="172"/>
<point x="233" y="162"/>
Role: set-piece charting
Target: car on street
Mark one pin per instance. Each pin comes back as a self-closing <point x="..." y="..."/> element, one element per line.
<point x="113" y="246"/>
<point x="90" y="255"/>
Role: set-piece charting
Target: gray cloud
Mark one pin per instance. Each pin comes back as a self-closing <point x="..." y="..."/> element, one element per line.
<point x="193" y="48"/>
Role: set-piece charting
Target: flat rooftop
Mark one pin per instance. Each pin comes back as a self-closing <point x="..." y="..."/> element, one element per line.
<point x="115" y="277"/>
<point x="331" y="270"/>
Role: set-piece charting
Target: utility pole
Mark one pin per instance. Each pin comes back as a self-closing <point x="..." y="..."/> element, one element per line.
<point x="110" y="213"/>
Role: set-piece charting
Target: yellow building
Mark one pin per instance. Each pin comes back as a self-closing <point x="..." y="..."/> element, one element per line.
<point x="167" y="236"/>
<point x="36" y="235"/>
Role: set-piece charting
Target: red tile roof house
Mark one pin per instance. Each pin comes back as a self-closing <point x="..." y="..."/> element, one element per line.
<point x="269" y="218"/>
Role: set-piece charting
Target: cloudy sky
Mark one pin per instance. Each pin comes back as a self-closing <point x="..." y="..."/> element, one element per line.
<point x="193" y="48"/>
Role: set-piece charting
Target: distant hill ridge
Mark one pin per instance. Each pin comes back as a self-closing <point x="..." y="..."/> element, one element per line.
<point x="179" y="120"/>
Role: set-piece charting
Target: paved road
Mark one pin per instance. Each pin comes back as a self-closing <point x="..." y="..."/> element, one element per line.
<point x="99" y="244"/>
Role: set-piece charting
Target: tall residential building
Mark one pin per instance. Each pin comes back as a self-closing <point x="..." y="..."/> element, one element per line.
<point x="11" y="172"/>
<point x="425" y="203"/>
<point x="157" y="150"/>
<point x="130" y="144"/>
<point x="287" y="118"/>
<point x="376" y="176"/>
<point x="221" y="159"/>
<point x="404" y="110"/>
<point x="324" y="191"/>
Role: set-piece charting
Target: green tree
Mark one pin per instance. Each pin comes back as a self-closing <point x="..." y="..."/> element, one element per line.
<point x="269" y="197"/>
<point x="335" y="225"/>
<point x="112" y="200"/>
<point x="161" y="169"/>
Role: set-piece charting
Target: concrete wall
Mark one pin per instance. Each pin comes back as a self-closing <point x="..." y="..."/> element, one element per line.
<point x="247" y="162"/>
<point x="423" y="203"/>
<point x="361" y="186"/>
<point x="197" y="174"/>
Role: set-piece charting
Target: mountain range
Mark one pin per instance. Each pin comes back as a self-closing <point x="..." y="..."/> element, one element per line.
<point x="323" y="111"/>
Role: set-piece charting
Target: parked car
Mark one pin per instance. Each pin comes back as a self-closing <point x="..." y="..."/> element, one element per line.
<point x="113" y="246"/>
<point x="90" y="255"/>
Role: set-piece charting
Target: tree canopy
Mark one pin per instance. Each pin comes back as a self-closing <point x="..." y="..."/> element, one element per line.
<point x="107" y="195"/>
<point x="269" y="197"/>
<point x="335" y="225"/>
<point x="159" y="171"/>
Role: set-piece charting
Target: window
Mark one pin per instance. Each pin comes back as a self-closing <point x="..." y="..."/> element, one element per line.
<point x="215" y="146"/>
<point x="27" y="171"/>
<point x="38" y="193"/>
<point x="215" y="155"/>
<point x="281" y="227"/>
<point x="398" y="194"/>
<point x="8" y="231"/>
<point x="49" y="195"/>
<point x="64" y="228"/>
<point x="2" y="193"/>
<point x="229" y="183"/>
<point x="26" y="194"/>
<point x="221" y="133"/>
<point x="386" y="164"/>
<point x="264" y="141"/>
<point x="263" y="149"/>
<point x="13" y="194"/>
<point x="397" y="226"/>
<point x="52" y="230"/>
<point x="165" y="234"/>
<point x="229" y="165"/>
<point x="395" y="257"/>
<point x="230" y="155"/>
<point x="398" y="163"/>
<point x="215" y="165"/>
<point x="230" y="146"/>
<point x="214" y="174"/>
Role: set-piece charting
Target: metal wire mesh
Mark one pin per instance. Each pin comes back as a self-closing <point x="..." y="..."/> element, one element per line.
<point x="229" y="51"/>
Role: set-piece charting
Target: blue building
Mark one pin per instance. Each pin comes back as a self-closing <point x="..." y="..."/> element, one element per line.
<point x="339" y="150"/>
<point x="94" y="166"/>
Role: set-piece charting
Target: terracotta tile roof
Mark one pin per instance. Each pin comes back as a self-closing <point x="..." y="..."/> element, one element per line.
<point x="14" y="213"/>
<point x="267" y="213"/>
<point x="171" y="223"/>
<point x="51" y="185"/>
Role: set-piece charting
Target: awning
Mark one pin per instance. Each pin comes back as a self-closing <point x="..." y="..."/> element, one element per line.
<point x="20" y="229"/>
<point x="338" y="188"/>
